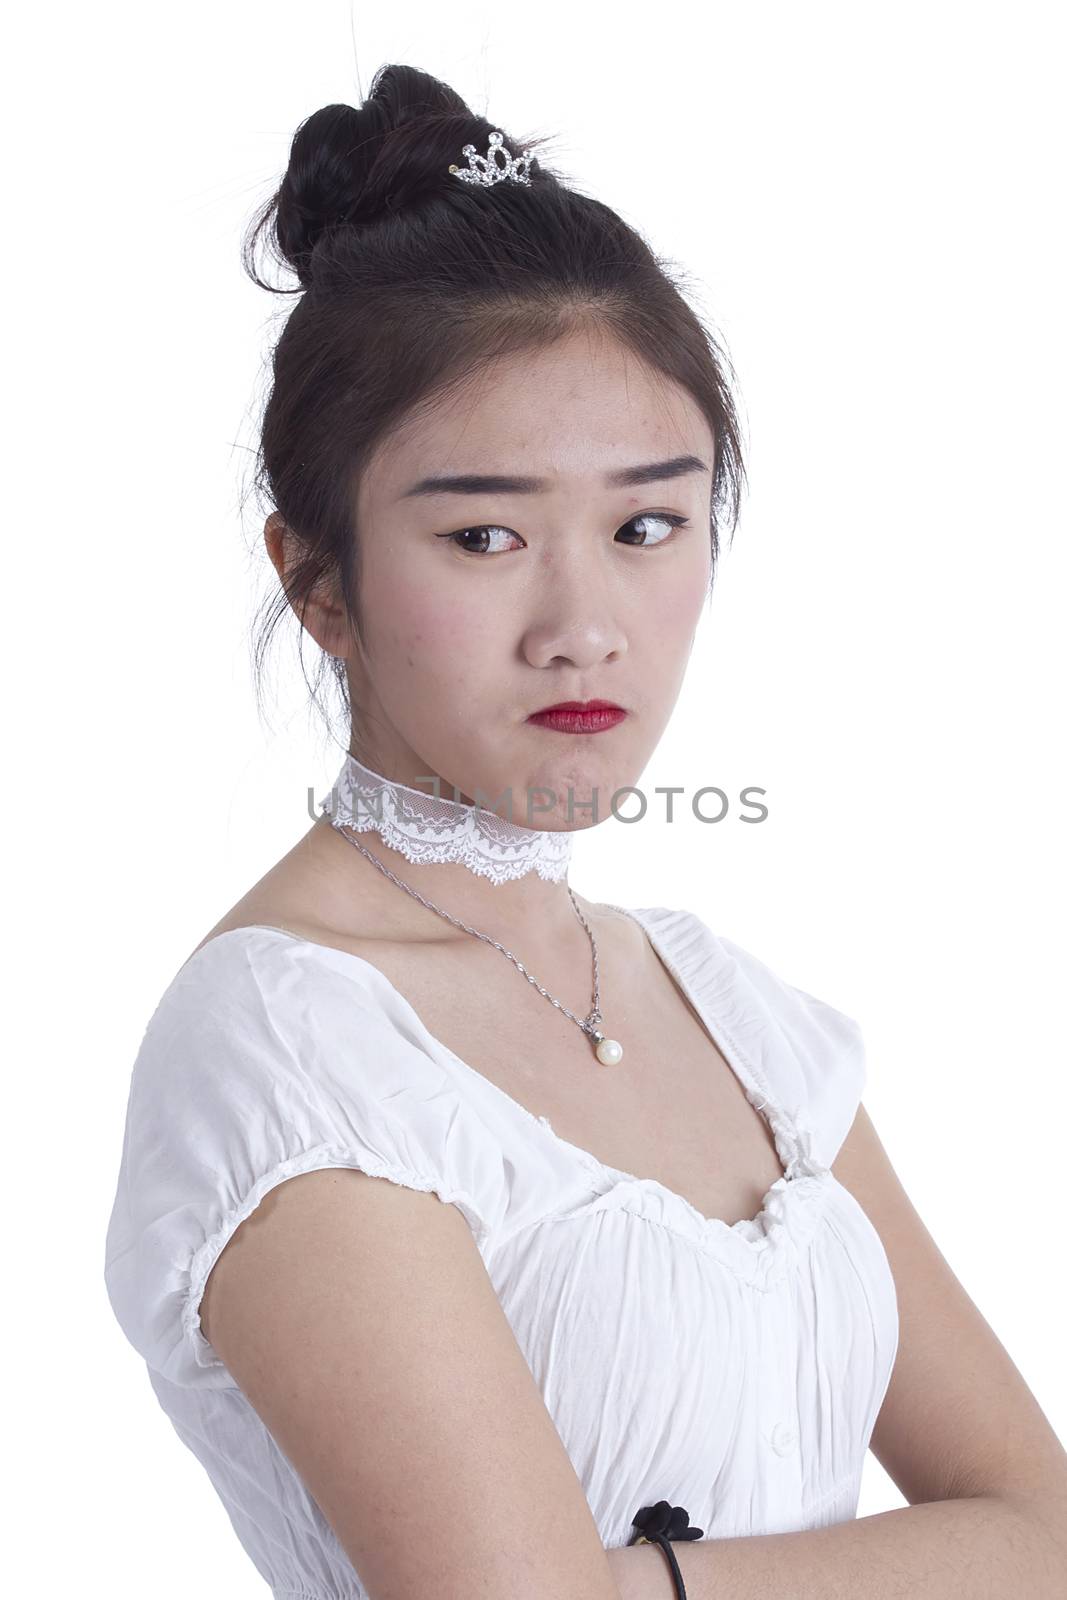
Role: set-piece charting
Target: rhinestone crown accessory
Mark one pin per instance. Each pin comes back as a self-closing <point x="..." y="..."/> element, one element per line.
<point x="486" y="170"/>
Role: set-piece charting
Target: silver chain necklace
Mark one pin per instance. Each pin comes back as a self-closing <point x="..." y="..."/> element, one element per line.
<point x="608" y="1051"/>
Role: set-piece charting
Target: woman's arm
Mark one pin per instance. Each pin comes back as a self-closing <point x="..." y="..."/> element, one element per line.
<point x="973" y="1548"/>
<point x="959" y="1432"/>
<point x="358" y="1318"/>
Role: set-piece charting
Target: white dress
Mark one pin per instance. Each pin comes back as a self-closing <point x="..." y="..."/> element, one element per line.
<point x="737" y="1370"/>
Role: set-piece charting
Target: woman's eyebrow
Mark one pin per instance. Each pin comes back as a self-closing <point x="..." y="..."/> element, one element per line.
<point x="496" y="483"/>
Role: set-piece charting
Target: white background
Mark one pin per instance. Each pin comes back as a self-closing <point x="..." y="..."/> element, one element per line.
<point x="869" y="200"/>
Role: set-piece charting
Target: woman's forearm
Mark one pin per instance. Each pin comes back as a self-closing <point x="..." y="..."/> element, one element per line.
<point x="967" y="1549"/>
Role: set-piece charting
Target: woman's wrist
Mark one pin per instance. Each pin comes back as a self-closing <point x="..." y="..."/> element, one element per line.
<point x="641" y="1573"/>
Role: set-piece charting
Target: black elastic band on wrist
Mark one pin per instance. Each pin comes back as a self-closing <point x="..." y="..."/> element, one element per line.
<point x="659" y="1524"/>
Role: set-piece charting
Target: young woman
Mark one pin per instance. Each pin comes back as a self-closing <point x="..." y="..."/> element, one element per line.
<point x="460" y="1219"/>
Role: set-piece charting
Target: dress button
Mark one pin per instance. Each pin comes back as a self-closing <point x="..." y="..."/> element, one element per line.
<point x="783" y="1438"/>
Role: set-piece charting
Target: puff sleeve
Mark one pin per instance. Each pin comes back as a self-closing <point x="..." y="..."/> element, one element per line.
<point x="261" y="1062"/>
<point x="811" y="1054"/>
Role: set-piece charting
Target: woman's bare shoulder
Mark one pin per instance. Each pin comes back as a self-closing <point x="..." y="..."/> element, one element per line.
<point x="299" y="895"/>
<point x="290" y="896"/>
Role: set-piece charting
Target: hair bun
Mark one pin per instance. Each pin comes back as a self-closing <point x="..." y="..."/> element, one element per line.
<point x="349" y="165"/>
<point x="320" y="185"/>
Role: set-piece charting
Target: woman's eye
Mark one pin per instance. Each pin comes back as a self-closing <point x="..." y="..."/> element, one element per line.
<point x="647" y="520"/>
<point x="479" y="534"/>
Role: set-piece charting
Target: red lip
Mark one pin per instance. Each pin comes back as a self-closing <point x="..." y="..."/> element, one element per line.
<point x="576" y="716"/>
<point x="580" y="705"/>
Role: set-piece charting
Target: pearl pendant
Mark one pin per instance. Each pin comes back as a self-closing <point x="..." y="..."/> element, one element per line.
<point x="609" y="1052"/>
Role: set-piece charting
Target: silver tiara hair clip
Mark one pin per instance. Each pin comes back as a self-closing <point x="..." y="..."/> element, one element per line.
<point x="487" y="170"/>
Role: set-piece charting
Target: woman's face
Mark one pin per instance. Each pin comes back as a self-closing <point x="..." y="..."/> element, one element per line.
<point x="577" y="589"/>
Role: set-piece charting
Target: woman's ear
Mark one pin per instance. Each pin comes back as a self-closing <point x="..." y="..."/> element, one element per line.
<point x="323" y="614"/>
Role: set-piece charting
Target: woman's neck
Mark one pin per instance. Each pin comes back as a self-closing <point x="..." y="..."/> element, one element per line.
<point x="480" y="868"/>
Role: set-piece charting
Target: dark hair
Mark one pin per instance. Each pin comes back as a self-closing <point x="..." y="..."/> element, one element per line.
<point x="411" y="279"/>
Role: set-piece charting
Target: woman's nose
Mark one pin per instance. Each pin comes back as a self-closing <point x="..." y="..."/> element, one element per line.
<point x="582" y="633"/>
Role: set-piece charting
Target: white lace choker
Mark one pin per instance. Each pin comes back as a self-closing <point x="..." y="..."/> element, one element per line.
<point x="425" y="828"/>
